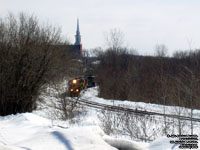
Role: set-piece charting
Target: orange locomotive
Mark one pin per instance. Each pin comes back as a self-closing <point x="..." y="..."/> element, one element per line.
<point x="77" y="84"/>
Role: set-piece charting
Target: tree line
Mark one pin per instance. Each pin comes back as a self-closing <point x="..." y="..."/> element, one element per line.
<point x="152" y="79"/>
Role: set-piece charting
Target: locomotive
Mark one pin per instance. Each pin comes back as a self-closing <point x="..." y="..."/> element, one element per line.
<point x="76" y="85"/>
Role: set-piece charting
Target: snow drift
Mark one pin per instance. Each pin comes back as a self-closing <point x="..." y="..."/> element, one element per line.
<point x="31" y="132"/>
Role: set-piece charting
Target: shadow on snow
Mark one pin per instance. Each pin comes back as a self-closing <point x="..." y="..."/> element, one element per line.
<point x="62" y="139"/>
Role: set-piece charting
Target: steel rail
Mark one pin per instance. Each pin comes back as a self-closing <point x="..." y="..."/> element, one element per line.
<point x="129" y="110"/>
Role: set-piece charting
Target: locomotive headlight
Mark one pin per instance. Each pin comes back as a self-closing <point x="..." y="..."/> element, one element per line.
<point x="77" y="90"/>
<point x="71" y="90"/>
<point x="74" y="81"/>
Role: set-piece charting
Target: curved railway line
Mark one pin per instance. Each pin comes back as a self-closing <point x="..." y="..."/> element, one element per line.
<point x="121" y="109"/>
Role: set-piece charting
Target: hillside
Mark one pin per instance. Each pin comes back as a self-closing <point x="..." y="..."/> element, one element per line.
<point x="40" y="130"/>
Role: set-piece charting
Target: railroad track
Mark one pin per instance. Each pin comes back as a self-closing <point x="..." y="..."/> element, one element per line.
<point x="121" y="109"/>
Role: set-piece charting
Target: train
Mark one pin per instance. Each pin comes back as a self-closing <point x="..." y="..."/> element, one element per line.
<point x="76" y="85"/>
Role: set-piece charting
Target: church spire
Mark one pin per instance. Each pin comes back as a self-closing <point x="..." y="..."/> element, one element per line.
<point x="77" y="36"/>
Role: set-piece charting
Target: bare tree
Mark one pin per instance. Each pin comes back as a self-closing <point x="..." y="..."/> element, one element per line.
<point x="28" y="60"/>
<point x="177" y="96"/>
<point x="164" y="98"/>
<point x="161" y="50"/>
<point x="115" y="38"/>
<point x="190" y="85"/>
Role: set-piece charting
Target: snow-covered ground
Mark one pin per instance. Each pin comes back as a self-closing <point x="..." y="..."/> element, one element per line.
<point x="40" y="131"/>
<point x="31" y="132"/>
<point x="92" y="93"/>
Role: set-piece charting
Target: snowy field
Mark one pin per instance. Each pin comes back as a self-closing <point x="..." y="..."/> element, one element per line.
<point x="41" y="131"/>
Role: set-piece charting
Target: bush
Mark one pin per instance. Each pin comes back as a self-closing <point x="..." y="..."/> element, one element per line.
<point x="28" y="60"/>
<point x="133" y="126"/>
<point x="59" y="107"/>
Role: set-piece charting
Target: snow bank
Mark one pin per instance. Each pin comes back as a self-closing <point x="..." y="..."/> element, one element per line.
<point x="31" y="132"/>
<point x="123" y="144"/>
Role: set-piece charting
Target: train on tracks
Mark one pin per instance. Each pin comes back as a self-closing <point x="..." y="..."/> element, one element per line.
<point x="76" y="85"/>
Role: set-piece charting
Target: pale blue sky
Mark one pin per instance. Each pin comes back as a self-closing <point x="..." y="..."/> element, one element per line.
<point x="144" y="23"/>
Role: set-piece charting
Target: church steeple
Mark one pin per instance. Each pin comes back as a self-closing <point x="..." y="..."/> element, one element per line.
<point x="77" y="36"/>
